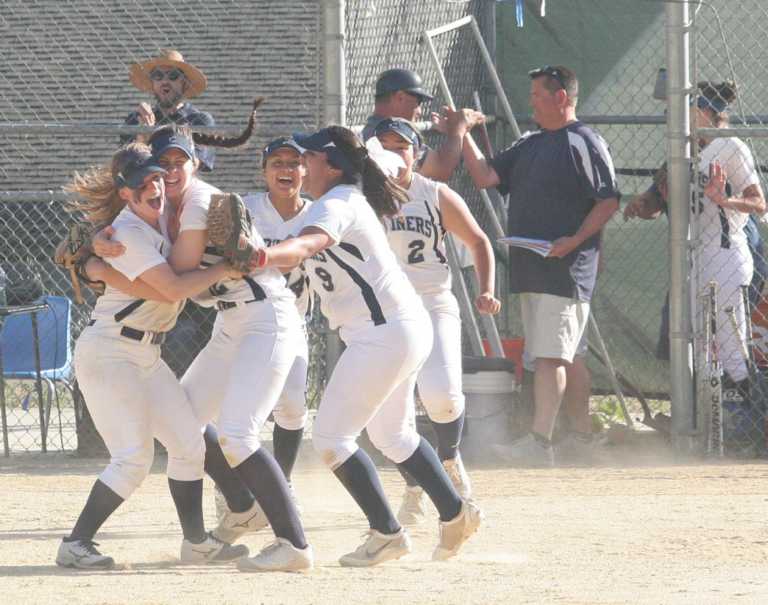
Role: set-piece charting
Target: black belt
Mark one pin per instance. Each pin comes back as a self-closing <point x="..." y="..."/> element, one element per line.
<point x="155" y="338"/>
<point x="224" y="305"/>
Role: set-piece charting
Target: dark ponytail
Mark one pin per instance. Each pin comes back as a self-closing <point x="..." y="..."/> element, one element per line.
<point x="382" y="192"/>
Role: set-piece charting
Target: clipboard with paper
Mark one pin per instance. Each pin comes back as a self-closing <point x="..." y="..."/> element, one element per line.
<point x="541" y="247"/>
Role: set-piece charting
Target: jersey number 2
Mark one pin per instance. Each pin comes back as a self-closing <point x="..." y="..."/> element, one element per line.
<point x="326" y="278"/>
<point x="415" y="256"/>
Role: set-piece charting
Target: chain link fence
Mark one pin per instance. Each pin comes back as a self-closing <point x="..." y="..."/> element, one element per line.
<point x="728" y="45"/>
<point x="65" y="93"/>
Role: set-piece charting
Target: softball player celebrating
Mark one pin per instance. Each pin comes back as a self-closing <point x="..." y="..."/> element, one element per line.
<point x="417" y="235"/>
<point x="132" y="394"/>
<point x="388" y="335"/>
<point x="252" y="351"/>
<point x="277" y="213"/>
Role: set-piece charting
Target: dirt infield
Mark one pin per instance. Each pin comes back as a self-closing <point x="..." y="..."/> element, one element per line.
<point x="651" y="534"/>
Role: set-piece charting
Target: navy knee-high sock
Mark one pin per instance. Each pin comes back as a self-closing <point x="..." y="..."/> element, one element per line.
<point x="238" y="496"/>
<point x="425" y="467"/>
<point x="188" y="498"/>
<point x="448" y="437"/>
<point x="409" y="480"/>
<point x="358" y="475"/>
<point x="286" y="444"/>
<point x="101" y="503"/>
<point x="267" y="483"/>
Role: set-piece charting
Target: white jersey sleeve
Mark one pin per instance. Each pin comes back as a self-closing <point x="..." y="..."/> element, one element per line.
<point x="197" y="200"/>
<point x="141" y="252"/>
<point x="145" y="247"/>
<point x="417" y="237"/>
<point x="334" y="216"/>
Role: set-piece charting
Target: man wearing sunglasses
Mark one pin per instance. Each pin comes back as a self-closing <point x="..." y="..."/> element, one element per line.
<point x="562" y="189"/>
<point x="400" y="94"/>
<point x="170" y="80"/>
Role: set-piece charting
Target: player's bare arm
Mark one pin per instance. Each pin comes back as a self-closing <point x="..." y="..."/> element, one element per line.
<point x="751" y="200"/>
<point x="458" y="219"/>
<point x="595" y="221"/>
<point x="177" y="287"/>
<point x="441" y="163"/>
<point x="188" y="249"/>
<point x="483" y="174"/>
<point x="290" y="253"/>
<point x="646" y="206"/>
<point x="98" y="270"/>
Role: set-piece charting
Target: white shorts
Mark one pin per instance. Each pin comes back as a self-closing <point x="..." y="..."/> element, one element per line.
<point x="553" y="326"/>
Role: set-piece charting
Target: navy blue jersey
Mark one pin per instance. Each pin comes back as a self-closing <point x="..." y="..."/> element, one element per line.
<point x="553" y="178"/>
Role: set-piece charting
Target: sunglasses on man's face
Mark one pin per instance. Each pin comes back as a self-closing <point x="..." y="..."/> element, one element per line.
<point x="550" y="71"/>
<point x="158" y="75"/>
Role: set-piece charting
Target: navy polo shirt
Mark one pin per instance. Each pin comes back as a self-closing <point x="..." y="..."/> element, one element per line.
<point x="187" y="114"/>
<point x="553" y="178"/>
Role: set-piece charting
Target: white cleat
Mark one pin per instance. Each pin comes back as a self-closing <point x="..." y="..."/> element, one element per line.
<point x="459" y="477"/>
<point x="413" y="508"/>
<point x="211" y="550"/>
<point x="235" y="525"/>
<point x="378" y="548"/>
<point x="455" y="532"/>
<point x="82" y="554"/>
<point x="281" y="555"/>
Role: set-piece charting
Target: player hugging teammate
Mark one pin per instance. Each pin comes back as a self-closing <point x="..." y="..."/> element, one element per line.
<point x="387" y="305"/>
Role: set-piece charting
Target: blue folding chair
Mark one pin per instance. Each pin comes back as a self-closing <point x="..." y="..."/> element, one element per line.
<point x="36" y="347"/>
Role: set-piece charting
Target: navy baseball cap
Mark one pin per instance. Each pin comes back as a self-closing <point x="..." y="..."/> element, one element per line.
<point x="322" y="141"/>
<point x="133" y="167"/>
<point x="401" y="127"/>
<point x="315" y="141"/>
<point x="718" y="104"/>
<point x="280" y="143"/>
<point x="393" y="80"/>
<point x="165" y="139"/>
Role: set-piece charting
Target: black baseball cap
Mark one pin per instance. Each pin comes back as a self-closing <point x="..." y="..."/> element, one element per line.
<point x="401" y="127"/>
<point x="165" y="139"/>
<point x="393" y="80"/>
<point x="280" y="143"/>
<point x="133" y="167"/>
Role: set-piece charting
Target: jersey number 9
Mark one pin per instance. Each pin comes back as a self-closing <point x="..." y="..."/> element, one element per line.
<point x="326" y="278"/>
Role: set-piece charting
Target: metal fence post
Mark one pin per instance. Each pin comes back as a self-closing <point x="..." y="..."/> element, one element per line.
<point x="679" y="156"/>
<point x="334" y="111"/>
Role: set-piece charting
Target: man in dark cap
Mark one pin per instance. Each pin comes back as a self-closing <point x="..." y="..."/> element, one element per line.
<point x="400" y="94"/>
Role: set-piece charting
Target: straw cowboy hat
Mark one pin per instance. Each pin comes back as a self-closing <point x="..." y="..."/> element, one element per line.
<point x="196" y="80"/>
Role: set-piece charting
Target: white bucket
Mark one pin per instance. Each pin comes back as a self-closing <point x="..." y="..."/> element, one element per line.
<point x="489" y="396"/>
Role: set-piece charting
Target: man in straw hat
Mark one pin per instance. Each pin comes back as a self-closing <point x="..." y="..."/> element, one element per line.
<point x="171" y="80"/>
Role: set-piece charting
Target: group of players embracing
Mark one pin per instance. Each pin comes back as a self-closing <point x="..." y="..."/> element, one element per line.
<point x="369" y="241"/>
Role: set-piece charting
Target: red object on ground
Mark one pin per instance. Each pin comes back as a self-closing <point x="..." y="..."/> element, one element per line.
<point x="513" y="349"/>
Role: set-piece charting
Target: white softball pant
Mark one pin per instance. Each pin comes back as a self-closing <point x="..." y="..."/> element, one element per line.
<point x="133" y="397"/>
<point x="290" y="412"/>
<point x="729" y="293"/>
<point x="439" y="380"/>
<point x="372" y="386"/>
<point x="238" y="377"/>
